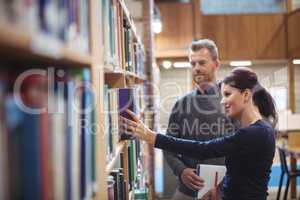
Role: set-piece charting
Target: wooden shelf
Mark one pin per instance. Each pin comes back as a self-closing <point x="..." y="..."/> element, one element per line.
<point x="76" y="57"/>
<point x="19" y="47"/>
<point x="114" y="79"/>
<point x="137" y="79"/>
<point x="120" y="147"/>
<point x="109" y="69"/>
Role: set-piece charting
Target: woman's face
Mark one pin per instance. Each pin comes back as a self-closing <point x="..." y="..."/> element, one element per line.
<point x="232" y="100"/>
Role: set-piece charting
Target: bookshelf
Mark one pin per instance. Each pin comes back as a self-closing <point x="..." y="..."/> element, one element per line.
<point x="88" y="55"/>
<point x="14" y="40"/>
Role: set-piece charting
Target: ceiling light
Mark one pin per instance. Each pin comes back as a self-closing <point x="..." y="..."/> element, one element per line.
<point x="296" y="61"/>
<point x="241" y="63"/>
<point x="156" y="23"/>
<point x="157" y="26"/>
<point x="167" y="64"/>
<point x="181" y="64"/>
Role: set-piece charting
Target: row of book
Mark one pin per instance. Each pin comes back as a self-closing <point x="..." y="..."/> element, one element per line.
<point x="117" y="184"/>
<point x="66" y="21"/>
<point x="47" y="140"/>
<point x="116" y="101"/>
<point x="121" y="48"/>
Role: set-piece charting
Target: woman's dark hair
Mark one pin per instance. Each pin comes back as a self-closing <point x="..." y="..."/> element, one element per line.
<point x="244" y="78"/>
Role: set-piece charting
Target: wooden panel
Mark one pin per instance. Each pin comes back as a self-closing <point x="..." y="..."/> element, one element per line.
<point x="215" y="27"/>
<point x="177" y="31"/>
<point x="270" y="37"/>
<point x="242" y="37"/>
<point x="293" y="34"/>
<point x="291" y="86"/>
<point x="259" y="36"/>
<point x="115" y="79"/>
<point x="19" y="47"/>
<point x="172" y="53"/>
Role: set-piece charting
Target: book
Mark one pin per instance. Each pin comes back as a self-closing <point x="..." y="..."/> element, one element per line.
<point x="113" y="117"/>
<point x="141" y="194"/>
<point x="127" y="100"/>
<point x="3" y="148"/>
<point x="212" y="176"/>
<point x="59" y="21"/>
<point x="117" y="185"/>
<point x="43" y="135"/>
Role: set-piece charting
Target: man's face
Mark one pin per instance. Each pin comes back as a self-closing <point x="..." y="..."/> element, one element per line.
<point x="203" y="66"/>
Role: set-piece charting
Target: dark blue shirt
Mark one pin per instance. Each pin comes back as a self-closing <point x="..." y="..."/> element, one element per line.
<point x="249" y="155"/>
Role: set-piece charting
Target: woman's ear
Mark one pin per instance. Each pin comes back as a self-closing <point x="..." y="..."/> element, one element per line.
<point x="247" y="95"/>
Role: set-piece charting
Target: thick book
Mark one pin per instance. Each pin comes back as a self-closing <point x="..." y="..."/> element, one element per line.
<point x="126" y="101"/>
<point x="212" y="176"/>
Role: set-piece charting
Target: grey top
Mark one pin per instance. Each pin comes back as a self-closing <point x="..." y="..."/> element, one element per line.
<point x="199" y="117"/>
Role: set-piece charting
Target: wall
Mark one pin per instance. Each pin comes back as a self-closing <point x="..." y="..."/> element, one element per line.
<point x="177" y="29"/>
<point x="293" y="34"/>
<point x="177" y="82"/>
<point x="297" y="73"/>
<point x="238" y="36"/>
<point x="173" y="84"/>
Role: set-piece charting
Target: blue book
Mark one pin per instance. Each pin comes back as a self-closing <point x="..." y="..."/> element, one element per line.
<point x="23" y="130"/>
<point x="86" y="138"/>
<point x="69" y="126"/>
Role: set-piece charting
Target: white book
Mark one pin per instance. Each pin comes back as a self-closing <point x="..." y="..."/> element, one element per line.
<point x="212" y="176"/>
<point x="57" y="132"/>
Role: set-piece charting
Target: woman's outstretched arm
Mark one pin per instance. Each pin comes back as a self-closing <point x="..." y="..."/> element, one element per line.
<point x="243" y="141"/>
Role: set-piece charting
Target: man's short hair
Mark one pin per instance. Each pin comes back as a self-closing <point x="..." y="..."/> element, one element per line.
<point x="204" y="43"/>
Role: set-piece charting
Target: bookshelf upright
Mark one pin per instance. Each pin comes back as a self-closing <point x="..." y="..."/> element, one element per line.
<point x="80" y="54"/>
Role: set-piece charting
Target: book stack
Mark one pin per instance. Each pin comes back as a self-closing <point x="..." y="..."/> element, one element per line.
<point x="46" y="137"/>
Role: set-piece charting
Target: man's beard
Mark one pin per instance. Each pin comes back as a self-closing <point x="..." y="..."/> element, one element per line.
<point x="201" y="79"/>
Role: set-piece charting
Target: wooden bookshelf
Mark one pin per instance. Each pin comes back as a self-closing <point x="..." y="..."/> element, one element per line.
<point x="118" y="79"/>
<point x="134" y="77"/>
<point x="115" y="79"/>
<point x="19" y="47"/>
<point x="15" y="41"/>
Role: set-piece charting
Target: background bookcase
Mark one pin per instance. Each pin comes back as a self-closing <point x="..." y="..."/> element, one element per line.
<point x="97" y="38"/>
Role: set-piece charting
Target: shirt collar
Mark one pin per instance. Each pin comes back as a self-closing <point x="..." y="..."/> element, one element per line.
<point x="210" y="90"/>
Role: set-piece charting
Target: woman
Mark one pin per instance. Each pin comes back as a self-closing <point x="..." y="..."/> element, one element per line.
<point x="249" y="151"/>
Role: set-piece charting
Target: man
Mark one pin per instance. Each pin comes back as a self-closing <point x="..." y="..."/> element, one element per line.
<point x="197" y="115"/>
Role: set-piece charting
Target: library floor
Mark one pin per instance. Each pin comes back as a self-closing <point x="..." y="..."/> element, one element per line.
<point x="272" y="194"/>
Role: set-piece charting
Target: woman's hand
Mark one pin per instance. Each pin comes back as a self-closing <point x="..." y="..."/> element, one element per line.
<point x="137" y="128"/>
